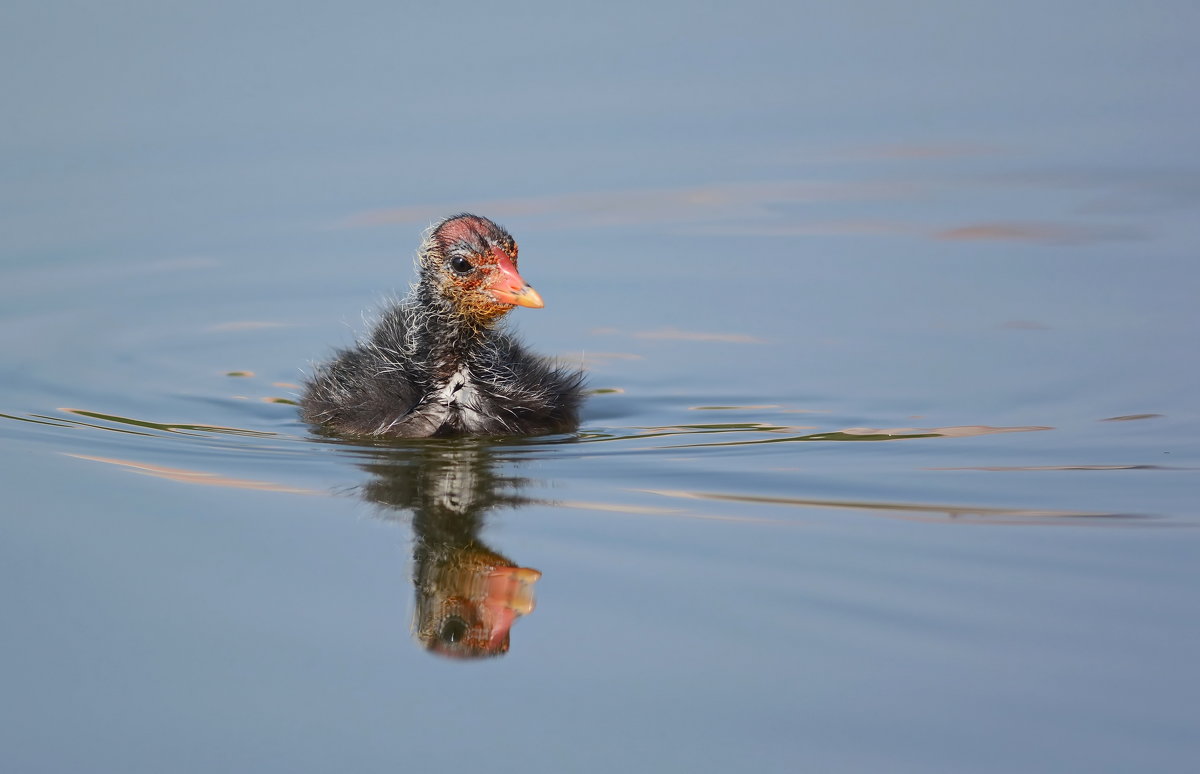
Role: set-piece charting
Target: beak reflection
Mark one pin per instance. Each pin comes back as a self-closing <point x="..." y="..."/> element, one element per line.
<point x="467" y="594"/>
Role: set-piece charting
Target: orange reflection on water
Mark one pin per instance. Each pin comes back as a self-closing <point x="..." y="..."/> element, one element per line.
<point x="1047" y="233"/>
<point x="1131" y="417"/>
<point x="905" y="511"/>
<point x="204" y="478"/>
<point x="681" y="335"/>
<point x="956" y="431"/>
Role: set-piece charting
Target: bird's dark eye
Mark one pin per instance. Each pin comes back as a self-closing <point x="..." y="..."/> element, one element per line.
<point x="460" y="264"/>
<point x="454" y="629"/>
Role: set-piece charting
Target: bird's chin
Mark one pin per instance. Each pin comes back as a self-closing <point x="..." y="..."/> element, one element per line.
<point x="488" y="312"/>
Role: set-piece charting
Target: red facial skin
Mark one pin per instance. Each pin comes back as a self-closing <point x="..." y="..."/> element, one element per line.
<point x="493" y="286"/>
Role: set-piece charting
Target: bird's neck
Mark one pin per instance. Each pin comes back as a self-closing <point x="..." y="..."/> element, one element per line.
<point x="448" y="339"/>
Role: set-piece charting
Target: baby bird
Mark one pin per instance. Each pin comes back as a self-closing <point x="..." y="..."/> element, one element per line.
<point x="438" y="363"/>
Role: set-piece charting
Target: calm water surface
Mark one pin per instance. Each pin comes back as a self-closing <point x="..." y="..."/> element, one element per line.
<point x="890" y="318"/>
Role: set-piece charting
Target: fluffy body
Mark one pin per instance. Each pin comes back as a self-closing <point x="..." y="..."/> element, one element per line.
<point x="438" y="364"/>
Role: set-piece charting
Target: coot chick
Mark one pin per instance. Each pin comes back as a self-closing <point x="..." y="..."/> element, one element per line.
<point x="438" y="363"/>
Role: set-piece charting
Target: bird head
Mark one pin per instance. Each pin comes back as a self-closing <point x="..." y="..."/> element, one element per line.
<point x="471" y="263"/>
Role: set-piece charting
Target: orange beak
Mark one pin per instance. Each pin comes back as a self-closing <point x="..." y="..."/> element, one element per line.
<point x="509" y="288"/>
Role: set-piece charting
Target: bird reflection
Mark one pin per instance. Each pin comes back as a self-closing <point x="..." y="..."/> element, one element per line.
<point x="468" y="595"/>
